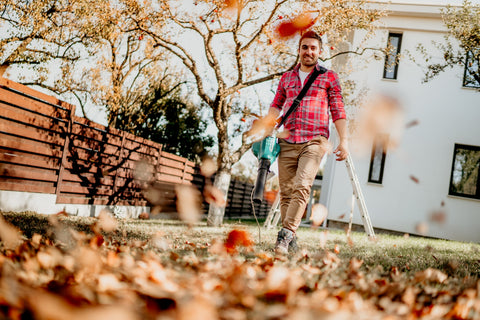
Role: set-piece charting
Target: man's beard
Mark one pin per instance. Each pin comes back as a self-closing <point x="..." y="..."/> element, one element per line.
<point x="309" y="64"/>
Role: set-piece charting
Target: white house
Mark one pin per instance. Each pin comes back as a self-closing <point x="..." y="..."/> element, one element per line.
<point x="415" y="188"/>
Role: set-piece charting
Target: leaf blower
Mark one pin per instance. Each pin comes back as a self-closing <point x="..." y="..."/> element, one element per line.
<point x="266" y="151"/>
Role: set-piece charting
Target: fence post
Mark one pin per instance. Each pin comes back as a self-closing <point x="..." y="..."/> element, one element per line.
<point x="159" y="162"/>
<point x="66" y="145"/>
<point x="120" y="158"/>
<point x="184" y="170"/>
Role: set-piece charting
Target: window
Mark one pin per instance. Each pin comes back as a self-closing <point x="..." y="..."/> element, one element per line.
<point x="471" y="75"/>
<point x="391" y="61"/>
<point x="377" y="162"/>
<point x="465" y="181"/>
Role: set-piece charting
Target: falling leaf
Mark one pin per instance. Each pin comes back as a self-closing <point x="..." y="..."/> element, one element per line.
<point x="298" y="24"/>
<point x="318" y="215"/>
<point x="380" y="115"/>
<point x="323" y="238"/>
<point x="106" y="221"/>
<point x="421" y="228"/>
<point x="237" y="238"/>
<point x="438" y="217"/>
<point x="143" y="171"/>
<point x="411" y="124"/>
<point x="414" y="179"/>
<point x="10" y="235"/>
<point x="270" y="196"/>
<point x="160" y="242"/>
<point x="188" y="203"/>
<point x="213" y="195"/>
<point x="262" y="127"/>
<point x="208" y="167"/>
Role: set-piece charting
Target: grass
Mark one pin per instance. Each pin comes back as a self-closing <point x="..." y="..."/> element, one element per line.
<point x="459" y="260"/>
<point x="164" y="269"/>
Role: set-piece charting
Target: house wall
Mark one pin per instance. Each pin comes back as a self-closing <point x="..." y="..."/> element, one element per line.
<point x="417" y="173"/>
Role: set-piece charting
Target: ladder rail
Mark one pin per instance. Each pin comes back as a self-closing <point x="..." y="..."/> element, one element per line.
<point x="272" y="219"/>
<point x="273" y="216"/>
<point x="357" y="191"/>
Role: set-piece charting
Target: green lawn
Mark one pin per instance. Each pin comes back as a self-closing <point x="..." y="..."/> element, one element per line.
<point x="408" y="254"/>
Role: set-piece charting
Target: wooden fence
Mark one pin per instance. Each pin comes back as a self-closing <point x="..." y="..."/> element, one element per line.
<point x="45" y="148"/>
<point x="239" y="204"/>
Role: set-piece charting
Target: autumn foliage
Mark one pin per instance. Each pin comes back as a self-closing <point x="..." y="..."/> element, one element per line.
<point x="102" y="273"/>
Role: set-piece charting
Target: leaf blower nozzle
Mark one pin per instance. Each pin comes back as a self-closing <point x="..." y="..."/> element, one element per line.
<point x="266" y="152"/>
<point x="263" y="169"/>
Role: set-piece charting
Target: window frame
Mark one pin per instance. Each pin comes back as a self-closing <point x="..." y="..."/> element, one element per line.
<point x="451" y="192"/>
<point x="468" y="57"/>
<point x="395" y="54"/>
<point x="380" y="141"/>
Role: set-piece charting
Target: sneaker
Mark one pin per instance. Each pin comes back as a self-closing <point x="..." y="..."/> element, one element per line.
<point x="284" y="238"/>
<point x="293" y="246"/>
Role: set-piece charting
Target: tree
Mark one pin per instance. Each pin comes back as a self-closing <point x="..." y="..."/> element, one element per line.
<point x="99" y="61"/>
<point x="228" y="50"/>
<point x="164" y="116"/>
<point x="461" y="46"/>
<point x="231" y="47"/>
<point x="79" y="49"/>
<point x="41" y="43"/>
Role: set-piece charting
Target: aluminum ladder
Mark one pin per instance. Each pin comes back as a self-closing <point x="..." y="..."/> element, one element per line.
<point x="273" y="216"/>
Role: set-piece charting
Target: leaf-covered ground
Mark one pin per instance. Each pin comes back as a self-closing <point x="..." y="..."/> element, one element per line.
<point x="60" y="267"/>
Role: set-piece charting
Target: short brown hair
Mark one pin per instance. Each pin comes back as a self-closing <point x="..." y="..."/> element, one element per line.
<point x="311" y="35"/>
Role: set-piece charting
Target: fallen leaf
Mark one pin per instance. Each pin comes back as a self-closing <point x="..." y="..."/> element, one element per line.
<point x="431" y="274"/>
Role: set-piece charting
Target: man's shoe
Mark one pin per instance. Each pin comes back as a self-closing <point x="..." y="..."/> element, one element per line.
<point x="284" y="238"/>
<point x="293" y="246"/>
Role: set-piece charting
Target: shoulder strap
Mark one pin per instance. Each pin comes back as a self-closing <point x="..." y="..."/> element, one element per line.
<point x="302" y="93"/>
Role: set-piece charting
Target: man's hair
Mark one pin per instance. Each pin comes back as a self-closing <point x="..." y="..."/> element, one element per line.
<point x="312" y="35"/>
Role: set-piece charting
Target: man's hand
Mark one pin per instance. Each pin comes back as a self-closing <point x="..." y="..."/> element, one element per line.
<point x="342" y="150"/>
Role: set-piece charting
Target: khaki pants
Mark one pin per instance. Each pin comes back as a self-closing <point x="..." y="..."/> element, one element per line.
<point x="298" y="165"/>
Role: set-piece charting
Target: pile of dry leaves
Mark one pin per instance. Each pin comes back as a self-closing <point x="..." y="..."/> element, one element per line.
<point x="90" y="276"/>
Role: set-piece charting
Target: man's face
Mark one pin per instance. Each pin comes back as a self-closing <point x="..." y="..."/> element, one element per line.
<point x="309" y="52"/>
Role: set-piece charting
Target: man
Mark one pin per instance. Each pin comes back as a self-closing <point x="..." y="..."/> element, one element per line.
<point x="302" y="151"/>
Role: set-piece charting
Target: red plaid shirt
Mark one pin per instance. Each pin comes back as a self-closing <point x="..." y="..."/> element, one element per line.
<point x="311" y="118"/>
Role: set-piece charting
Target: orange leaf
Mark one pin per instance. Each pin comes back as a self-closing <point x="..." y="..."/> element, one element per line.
<point x="237" y="238"/>
<point x="297" y="24"/>
<point x="214" y="195"/>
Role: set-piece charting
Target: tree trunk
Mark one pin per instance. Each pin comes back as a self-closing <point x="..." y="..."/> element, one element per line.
<point x="216" y="213"/>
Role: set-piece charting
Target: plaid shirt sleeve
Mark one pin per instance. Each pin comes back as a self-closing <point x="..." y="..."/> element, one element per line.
<point x="335" y="99"/>
<point x="280" y="95"/>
